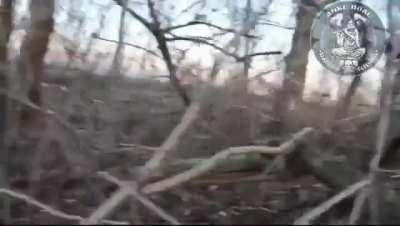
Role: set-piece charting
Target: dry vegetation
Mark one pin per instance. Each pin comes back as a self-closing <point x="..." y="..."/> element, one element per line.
<point x="96" y="136"/>
<point x="83" y="148"/>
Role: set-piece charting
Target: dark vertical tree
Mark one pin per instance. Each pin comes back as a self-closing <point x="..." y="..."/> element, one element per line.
<point x="297" y="59"/>
<point x="155" y="28"/>
<point x="6" y="8"/>
<point x="118" y="56"/>
<point x="382" y="209"/>
<point x="35" y="45"/>
<point x="164" y="36"/>
<point x="394" y="41"/>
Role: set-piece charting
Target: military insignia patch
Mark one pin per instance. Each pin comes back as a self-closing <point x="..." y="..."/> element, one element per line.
<point x="348" y="37"/>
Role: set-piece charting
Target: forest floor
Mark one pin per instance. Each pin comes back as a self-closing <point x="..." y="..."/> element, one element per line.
<point x="55" y="161"/>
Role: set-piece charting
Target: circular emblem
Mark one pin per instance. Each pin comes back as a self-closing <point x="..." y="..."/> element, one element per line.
<point x="347" y="38"/>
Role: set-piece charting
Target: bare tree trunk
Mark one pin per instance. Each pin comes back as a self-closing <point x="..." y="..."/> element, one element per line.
<point x="163" y="47"/>
<point x="36" y="41"/>
<point x="345" y="102"/>
<point x="6" y="13"/>
<point x="249" y="24"/>
<point x="102" y="12"/>
<point x="378" y="203"/>
<point x="297" y="59"/>
<point x="382" y="137"/>
<point x="247" y="62"/>
<point x="394" y="45"/>
<point x="118" y="57"/>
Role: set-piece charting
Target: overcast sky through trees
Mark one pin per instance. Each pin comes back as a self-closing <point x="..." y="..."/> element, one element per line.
<point x="281" y="12"/>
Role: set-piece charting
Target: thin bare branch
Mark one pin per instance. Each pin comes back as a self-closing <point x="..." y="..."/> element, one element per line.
<point x="132" y="147"/>
<point x="135" y="15"/>
<point x="395" y="171"/>
<point x="325" y="206"/>
<point x="364" y="117"/>
<point x="266" y="53"/>
<point x="156" y="209"/>
<point x="110" y="204"/>
<point x="155" y="29"/>
<point x="194" y="23"/>
<point x="173" y="139"/>
<point x="131" y="45"/>
<point x="50" y="210"/>
<point x="141" y="198"/>
<point x="48" y="112"/>
<point x="357" y="206"/>
<point x="170" y="143"/>
<point x="222" y="50"/>
<point x="274" y="24"/>
<point x="211" y="163"/>
<point x="191" y="6"/>
<point x="107" y="206"/>
<point x="260" y="74"/>
<point x="201" y="41"/>
<point x="234" y="179"/>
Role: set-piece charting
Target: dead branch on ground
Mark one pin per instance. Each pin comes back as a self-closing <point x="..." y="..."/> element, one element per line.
<point x="212" y="162"/>
<point x="50" y="210"/>
<point x="145" y="201"/>
<point x="108" y="206"/>
<point x="151" y="166"/>
<point x="113" y="202"/>
<point x="172" y="141"/>
<point x="325" y="206"/>
<point x="370" y="185"/>
<point x="357" y="206"/>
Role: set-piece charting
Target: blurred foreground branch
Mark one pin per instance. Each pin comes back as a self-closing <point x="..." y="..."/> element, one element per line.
<point x="108" y="206"/>
<point x="129" y="44"/>
<point x="325" y="206"/>
<point x="132" y="189"/>
<point x="211" y="163"/>
<point x="50" y="210"/>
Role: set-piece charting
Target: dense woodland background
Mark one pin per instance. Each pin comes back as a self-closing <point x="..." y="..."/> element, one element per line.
<point x="194" y="113"/>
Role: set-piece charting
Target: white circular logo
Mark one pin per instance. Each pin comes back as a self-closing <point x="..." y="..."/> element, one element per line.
<point x="348" y="38"/>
